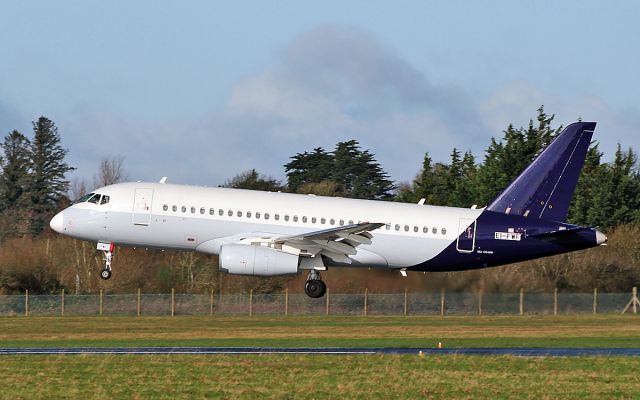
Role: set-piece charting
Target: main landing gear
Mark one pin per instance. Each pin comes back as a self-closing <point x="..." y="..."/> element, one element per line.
<point x="107" y="249"/>
<point x="314" y="287"/>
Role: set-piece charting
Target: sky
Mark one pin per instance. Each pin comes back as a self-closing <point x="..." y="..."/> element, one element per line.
<point x="200" y="91"/>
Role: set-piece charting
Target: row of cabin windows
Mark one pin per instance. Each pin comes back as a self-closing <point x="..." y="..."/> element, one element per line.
<point x="295" y="218"/>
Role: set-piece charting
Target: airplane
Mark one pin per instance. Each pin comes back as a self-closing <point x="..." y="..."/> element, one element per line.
<point x="271" y="233"/>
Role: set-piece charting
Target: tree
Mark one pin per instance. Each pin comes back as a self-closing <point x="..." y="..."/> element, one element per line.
<point x="308" y="167"/>
<point x="47" y="184"/>
<point x="15" y="164"/>
<point x="111" y="171"/>
<point x="348" y="171"/>
<point x="252" y="180"/>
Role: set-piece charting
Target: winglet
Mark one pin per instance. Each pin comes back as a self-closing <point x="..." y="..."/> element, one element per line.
<point x="545" y="188"/>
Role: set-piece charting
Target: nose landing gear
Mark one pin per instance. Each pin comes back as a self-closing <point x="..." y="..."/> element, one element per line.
<point x="314" y="287"/>
<point x="107" y="249"/>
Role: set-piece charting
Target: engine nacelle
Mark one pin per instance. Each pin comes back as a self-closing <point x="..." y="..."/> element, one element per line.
<point x="244" y="259"/>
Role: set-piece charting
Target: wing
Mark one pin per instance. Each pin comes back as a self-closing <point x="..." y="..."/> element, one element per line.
<point x="336" y="243"/>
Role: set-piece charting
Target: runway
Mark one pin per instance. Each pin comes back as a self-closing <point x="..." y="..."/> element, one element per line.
<point x="499" y="351"/>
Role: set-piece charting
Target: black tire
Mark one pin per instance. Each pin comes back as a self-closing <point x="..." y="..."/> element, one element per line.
<point x="105" y="274"/>
<point x="315" y="288"/>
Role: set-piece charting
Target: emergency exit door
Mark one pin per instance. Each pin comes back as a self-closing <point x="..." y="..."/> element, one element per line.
<point x="467" y="239"/>
<point x="142" y="206"/>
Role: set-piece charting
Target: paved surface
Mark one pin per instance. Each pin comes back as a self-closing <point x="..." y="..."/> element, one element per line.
<point x="526" y="352"/>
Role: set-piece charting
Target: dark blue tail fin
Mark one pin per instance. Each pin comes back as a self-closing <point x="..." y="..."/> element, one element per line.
<point x="545" y="188"/>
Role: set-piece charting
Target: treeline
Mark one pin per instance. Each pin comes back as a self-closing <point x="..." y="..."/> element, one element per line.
<point x="33" y="187"/>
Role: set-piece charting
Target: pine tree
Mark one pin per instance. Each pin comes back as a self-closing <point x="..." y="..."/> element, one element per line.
<point x="15" y="166"/>
<point x="252" y="180"/>
<point x="306" y="167"/>
<point x="47" y="184"/>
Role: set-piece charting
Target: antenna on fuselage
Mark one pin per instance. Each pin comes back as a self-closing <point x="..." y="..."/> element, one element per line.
<point x="163" y="180"/>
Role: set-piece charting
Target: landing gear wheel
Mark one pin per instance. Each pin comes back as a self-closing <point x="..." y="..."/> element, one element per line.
<point x="315" y="288"/>
<point x="105" y="274"/>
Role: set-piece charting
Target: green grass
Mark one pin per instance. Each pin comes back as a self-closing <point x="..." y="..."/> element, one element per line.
<point x="294" y="376"/>
<point x="528" y="331"/>
<point x="319" y="376"/>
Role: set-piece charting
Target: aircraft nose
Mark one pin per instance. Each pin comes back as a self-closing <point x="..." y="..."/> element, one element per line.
<point x="57" y="222"/>
<point x="601" y="238"/>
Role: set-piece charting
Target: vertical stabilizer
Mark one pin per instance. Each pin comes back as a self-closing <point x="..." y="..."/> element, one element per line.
<point x="545" y="188"/>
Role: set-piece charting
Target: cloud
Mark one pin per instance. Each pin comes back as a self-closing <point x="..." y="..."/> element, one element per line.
<point x="330" y="84"/>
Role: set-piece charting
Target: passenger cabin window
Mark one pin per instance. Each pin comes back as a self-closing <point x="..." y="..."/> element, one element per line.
<point x="174" y="208"/>
<point x="295" y="218"/>
<point x="165" y="207"/>
<point x="193" y="210"/>
<point x="397" y="227"/>
<point x="313" y="220"/>
<point x="425" y="230"/>
<point x="323" y="221"/>
<point x="239" y="214"/>
<point x="221" y="212"/>
<point x="248" y="214"/>
<point x="184" y="208"/>
<point x="257" y="215"/>
<point x="230" y="213"/>
<point x="266" y="215"/>
<point x="304" y="219"/>
<point x="202" y="210"/>
<point x="332" y="221"/>
<point x="444" y="231"/>
<point x="415" y="229"/>
<point x="434" y="230"/>
<point x="388" y="226"/>
<point x="286" y="217"/>
<point x="406" y="228"/>
<point x="277" y="217"/>
<point x="341" y="222"/>
<point x="212" y="211"/>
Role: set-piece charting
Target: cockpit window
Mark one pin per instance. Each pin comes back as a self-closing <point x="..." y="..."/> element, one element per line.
<point x="85" y="198"/>
<point x="95" y="199"/>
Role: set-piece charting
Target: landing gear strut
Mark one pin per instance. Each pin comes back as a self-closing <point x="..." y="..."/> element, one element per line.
<point x="314" y="287"/>
<point x="107" y="249"/>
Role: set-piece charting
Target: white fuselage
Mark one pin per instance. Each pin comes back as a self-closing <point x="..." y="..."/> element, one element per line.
<point x="203" y="219"/>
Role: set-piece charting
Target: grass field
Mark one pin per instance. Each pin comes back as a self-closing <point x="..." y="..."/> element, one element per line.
<point x="318" y="376"/>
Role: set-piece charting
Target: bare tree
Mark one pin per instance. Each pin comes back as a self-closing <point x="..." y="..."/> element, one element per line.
<point x="78" y="188"/>
<point x="111" y="171"/>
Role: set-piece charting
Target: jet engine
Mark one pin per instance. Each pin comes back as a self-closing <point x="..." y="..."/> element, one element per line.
<point x="244" y="259"/>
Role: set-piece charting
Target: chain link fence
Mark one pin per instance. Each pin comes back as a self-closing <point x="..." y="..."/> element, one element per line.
<point x="431" y="303"/>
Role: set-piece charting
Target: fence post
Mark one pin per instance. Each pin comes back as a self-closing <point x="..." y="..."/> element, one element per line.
<point x="555" y="301"/>
<point x="405" y="301"/>
<point x="211" y="302"/>
<point x="26" y="303"/>
<point x="173" y="302"/>
<point x="521" y="301"/>
<point x="366" y="299"/>
<point x="286" y="301"/>
<point x="138" y="303"/>
<point x="101" y="302"/>
<point x="327" y="305"/>
<point x="62" y="303"/>
<point x="595" y="301"/>
<point x="634" y="301"/>
<point x="442" y="302"/>
<point x="250" y="302"/>
<point x="480" y="302"/>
